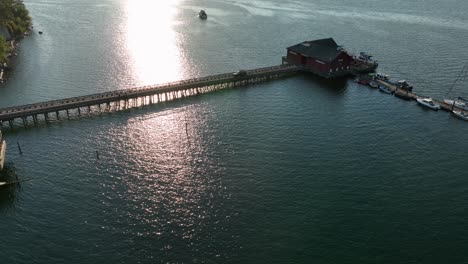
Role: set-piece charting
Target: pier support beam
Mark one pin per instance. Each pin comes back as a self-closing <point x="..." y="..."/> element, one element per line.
<point x="25" y="121"/>
<point x="79" y="112"/>
<point x="11" y="123"/>
<point x="68" y="114"/>
<point x="57" y="114"/>
<point x="35" y="119"/>
<point x="46" y="117"/>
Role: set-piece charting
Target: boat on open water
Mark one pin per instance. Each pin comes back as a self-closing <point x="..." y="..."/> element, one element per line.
<point x="427" y="102"/>
<point x="202" y="14"/>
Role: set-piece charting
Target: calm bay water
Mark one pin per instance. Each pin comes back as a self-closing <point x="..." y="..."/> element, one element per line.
<point x="293" y="171"/>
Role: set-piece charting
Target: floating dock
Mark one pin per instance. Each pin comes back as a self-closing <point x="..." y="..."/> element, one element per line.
<point x="414" y="96"/>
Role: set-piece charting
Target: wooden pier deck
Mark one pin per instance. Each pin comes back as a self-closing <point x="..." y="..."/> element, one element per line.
<point x="123" y="99"/>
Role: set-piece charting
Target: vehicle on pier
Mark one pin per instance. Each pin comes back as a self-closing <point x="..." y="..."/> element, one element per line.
<point x="385" y="89"/>
<point x="461" y="115"/>
<point x="202" y="14"/>
<point x="460" y="103"/>
<point x="2" y="151"/>
<point x="427" y="102"/>
<point x="402" y="84"/>
<point x="240" y="73"/>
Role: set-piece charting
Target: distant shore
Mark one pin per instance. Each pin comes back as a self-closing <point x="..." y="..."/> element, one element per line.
<point x="15" y="23"/>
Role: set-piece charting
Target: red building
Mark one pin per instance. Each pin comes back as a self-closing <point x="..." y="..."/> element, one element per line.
<point x="323" y="57"/>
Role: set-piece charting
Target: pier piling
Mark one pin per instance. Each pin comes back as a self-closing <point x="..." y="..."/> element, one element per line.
<point x="141" y="96"/>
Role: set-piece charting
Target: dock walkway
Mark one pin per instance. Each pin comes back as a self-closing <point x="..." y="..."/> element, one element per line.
<point x="122" y="99"/>
<point x="414" y="96"/>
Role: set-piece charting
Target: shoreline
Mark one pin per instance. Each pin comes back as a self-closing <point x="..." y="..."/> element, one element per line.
<point x="15" y="24"/>
<point x="13" y="46"/>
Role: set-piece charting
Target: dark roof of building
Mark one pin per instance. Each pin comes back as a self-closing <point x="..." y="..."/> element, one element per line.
<point x="323" y="49"/>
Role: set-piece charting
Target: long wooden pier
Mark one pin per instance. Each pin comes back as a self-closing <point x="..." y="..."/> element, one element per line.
<point x="123" y="99"/>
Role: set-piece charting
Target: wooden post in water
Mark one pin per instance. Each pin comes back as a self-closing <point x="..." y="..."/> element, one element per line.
<point x="79" y="112"/>
<point x="68" y="114"/>
<point x="11" y="123"/>
<point x="57" y="114"/>
<point x="19" y="148"/>
<point x="46" y="117"/>
<point x="25" y="121"/>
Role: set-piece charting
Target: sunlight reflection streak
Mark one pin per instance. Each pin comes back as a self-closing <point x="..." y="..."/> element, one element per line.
<point x="152" y="42"/>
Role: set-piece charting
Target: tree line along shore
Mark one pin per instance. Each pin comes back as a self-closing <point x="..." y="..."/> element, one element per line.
<point x="15" y="23"/>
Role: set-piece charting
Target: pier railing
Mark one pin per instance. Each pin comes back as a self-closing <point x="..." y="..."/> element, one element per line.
<point x="156" y="93"/>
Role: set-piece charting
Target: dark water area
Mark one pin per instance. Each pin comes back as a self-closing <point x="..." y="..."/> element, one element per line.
<point x="297" y="170"/>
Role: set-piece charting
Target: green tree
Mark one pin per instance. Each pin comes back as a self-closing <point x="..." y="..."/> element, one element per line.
<point x="14" y="16"/>
<point x="3" y="50"/>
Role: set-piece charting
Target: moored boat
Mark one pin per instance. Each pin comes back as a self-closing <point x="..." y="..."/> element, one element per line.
<point x="427" y="102"/>
<point x="2" y="151"/>
<point x="373" y="84"/>
<point x="385" y="89"/>
<point x="461" y="115"/>
<point x="381" y="76"/>
<point x="457" y="103"/>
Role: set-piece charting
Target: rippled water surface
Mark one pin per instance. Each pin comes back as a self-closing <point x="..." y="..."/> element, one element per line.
<point x="298" y="170"/>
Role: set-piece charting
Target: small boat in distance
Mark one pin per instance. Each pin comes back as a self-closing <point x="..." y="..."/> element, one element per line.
<point x="427" y="102"/>
<point x="385" y="89"/>
<point x="40" y="32"/>
<point x="202" y="14"/>
<point x="461" y="115"/>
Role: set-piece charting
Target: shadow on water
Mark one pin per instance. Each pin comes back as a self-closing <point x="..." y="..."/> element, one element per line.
<point x="335" y="86"/>
<point x="9" y="193"/>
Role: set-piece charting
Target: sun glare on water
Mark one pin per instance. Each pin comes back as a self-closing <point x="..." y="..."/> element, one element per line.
<point x="152" y="42"/>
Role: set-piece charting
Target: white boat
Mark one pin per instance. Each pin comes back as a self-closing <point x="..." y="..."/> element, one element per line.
<point x="461" y="115"/>
<point x="458" y="103"/>
<point x="373" y="84"/>
<point x="2" y="151"/>
<point x="427" y="102"/>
